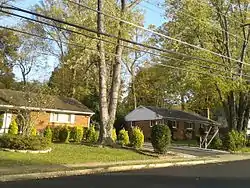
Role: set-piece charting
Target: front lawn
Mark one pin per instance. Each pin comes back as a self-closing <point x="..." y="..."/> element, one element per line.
<point x="69" y="154"/>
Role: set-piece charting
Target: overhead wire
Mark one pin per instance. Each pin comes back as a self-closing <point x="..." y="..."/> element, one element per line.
<point x="157" y="33"/>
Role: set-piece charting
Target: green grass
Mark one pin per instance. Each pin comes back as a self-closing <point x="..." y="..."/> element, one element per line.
<point x="185" y="142"/>
<point x="69" y="154"/>
<point x="245" y="150"/>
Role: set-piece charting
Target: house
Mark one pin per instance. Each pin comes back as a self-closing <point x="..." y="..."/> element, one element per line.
<point x="183" y="125"/>
<point x="43" y="110"/>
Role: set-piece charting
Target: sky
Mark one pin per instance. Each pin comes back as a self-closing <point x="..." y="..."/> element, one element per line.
<point x="153" y="15"/>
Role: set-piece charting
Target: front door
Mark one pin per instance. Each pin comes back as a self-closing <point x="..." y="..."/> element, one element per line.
<point x="5" y="120"/>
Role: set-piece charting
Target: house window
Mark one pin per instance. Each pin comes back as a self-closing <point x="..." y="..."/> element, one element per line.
<point x="62" y="118"/>
<point x="188" y="125"/>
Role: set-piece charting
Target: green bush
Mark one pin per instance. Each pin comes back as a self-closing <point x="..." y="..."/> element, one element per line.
<point x="85" y="130"/>
<point x="13" y="129"/>
<point x="1" y="120"/>
<point x="48" y="133"/>
<point x="33" y="131"/>
<point x="64" y="134"/>
<point x="123" y="138"/>
<point x="216" y="143"/>
<point x="55" y="133"/>
<point x="161" y="138"/>
<point x="114" y="136"/>
<point x="91" y="135"/>
<point x="137" y="138"/>
<point x="21" y="142"/>
<point x="76" y="134"/>
<point x="234" y="140"/>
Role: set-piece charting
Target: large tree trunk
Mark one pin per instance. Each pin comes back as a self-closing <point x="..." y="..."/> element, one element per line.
<point x="104" y="116"/>
<point x="116" y="78"/>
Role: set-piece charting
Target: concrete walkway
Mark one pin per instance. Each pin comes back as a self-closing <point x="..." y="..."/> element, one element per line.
<point x="189" y="151"/>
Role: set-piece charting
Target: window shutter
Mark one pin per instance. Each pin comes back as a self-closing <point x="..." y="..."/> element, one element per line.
<point x="72" y="118"/>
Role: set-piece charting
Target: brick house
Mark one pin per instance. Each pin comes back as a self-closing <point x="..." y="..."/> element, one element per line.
<point x="43" y="110"/>
<point x="183" y="125"/>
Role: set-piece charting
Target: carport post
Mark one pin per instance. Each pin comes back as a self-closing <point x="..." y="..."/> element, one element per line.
<point x="205" y="139"/>
<point x="216" y="132"/>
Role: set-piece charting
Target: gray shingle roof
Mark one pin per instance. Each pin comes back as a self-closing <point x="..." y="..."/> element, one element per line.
<point x="177" y="114"/>
<point x="19" y="98"/>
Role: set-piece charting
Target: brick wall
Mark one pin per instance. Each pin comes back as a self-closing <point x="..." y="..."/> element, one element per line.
<point x="42" y="119"/>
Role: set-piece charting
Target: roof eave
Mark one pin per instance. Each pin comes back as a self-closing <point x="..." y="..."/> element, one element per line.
<point x="47" y="109"/>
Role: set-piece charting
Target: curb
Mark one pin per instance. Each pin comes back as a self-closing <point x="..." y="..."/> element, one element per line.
<point x="46" y="175"/>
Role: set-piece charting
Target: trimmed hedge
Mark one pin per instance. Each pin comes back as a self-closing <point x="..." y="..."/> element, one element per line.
<point x="13" y="129"/>
<point x="76" y="134"/>
<point x="64" y="134"/>
<point x="114" y="136"/>
<point x="48" y="133"/>
<point x="92" y="135"/>
<point x="123" y="138"/>
<point x="160" y="138"/>
<point x="21" y="142"/>
<point x="137" y="138"/>
<point x="55" y="133"/>
<point x="216" y="143"/>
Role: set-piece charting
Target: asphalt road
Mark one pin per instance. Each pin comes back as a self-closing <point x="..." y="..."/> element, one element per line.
<point x="224" y="175"/>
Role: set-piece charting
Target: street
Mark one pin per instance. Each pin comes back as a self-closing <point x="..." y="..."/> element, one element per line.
<point x="228" y="175"/>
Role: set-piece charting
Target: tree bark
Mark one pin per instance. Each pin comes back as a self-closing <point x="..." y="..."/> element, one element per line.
<point x="116" y="77"/>
<point x="104" y="116"/>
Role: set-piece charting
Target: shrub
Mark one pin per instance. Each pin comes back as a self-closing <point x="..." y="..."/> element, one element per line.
<point x="216" y="143"/>
<point x="76" y="133"/>
<point x="33" y="131"/>
<point x="1" y="120"/>
<point x="85" y="130"/>
<point x="56" y="133"/>
<point x="21" y="142"/>
<point x="234" y="140"/>
<point x="160" y="138"/>
<point x="64" y="134"/>
<point x="137" y="138"/>
<point x="48" y="133"/>
<point x="13" y="129"/>
<point x="114" y="136"/>
<point x="91" y="135"/>
<point x="123" y="138"/>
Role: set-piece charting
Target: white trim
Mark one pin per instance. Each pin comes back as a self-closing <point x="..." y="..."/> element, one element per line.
<point x="47" y="109"/>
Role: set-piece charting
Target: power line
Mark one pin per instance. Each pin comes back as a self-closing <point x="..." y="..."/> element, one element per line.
<point x="105" y="34"/>
<point x="113" y="54"/>
<point x="197" y="58"/>
<point x="157" y="33"/>
<point x="213" y="24"/>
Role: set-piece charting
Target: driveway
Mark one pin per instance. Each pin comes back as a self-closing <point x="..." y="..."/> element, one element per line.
<point x="195" y="151"/>
<point x="223" y="175"/>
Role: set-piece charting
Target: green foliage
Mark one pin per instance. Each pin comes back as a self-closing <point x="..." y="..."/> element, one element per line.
<point x="85" y="130"/>
<point x="48" y="133"/>
<point x="33" y="131"/>
<point x="114" y="136"/>
<point x="56" y="133"/>
<point x="234" y="140"/>
<point x="76" y="134"/>
<point x="91" y="135"/>
<point x="13" y="129"/>
<point x="64" y="134"/>
<point x="137" y="138"/>
<point x="123" y="138"/>
<point x="216" y="143"/>
<point x="1" y="120"/>
<point x="161" y="138"/>
<point x="21" y="142"/>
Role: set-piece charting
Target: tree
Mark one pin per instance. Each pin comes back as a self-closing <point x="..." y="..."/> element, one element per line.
<point x="217" y="26"/>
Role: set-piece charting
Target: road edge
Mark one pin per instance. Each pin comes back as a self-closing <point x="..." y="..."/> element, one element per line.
<point x="65" y="173"/>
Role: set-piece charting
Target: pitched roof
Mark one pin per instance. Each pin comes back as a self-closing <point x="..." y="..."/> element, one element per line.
<point x="177" y="114"/>
<point x="35" y="100"/>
